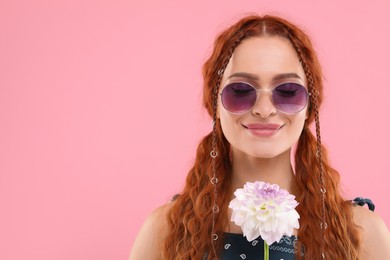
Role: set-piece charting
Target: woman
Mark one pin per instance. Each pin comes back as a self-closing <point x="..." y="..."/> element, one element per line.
<point x="263" y="88"/>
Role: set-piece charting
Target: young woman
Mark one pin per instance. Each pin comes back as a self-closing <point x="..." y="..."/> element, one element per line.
<point x="263" y="88"/>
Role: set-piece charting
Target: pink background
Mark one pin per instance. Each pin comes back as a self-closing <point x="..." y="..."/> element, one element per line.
<point x="100" y="111"/>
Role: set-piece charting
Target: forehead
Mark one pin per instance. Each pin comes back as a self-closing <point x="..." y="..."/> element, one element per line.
<point x="265" y="57"/>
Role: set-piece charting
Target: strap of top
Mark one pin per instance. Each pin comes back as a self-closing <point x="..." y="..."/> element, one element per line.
<point x="174" y="197"/>
<point x="362" y="201"/>
<point x="357" y="201"/>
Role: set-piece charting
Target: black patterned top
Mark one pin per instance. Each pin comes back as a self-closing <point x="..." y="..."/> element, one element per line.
<point x="236" y="246"/>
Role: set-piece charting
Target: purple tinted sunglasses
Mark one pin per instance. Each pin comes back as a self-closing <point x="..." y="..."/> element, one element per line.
<point x="240" y="97"/>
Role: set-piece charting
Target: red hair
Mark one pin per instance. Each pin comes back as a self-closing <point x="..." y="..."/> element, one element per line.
<point x="190" y="218"/>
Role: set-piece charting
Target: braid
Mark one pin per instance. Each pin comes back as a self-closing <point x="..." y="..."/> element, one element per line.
<point x="338" y="211"/>
<point x="214" y="153"/>
<point x="314" y="93"/>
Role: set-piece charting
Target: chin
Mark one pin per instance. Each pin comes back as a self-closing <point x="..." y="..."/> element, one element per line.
<point x="261" y="154"/>
<point x="268" y="154"/>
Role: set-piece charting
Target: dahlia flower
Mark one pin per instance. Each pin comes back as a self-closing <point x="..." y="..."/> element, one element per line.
<point x="266" y="210"/>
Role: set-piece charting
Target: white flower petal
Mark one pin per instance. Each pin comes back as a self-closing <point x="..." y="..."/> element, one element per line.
<point x="264" y="209"/>
<point x="251" y="234"/>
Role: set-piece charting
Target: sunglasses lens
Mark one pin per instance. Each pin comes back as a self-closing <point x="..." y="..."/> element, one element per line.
<point x="238" y="97"/>
<point x="290" y="97"/>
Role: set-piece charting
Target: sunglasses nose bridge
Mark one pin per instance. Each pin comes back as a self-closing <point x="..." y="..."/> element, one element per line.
<point x="263" y="94"/>
<point x="264" y="105"/>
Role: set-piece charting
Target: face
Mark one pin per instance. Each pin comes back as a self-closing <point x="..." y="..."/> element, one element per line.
<point x="263" y="131"/>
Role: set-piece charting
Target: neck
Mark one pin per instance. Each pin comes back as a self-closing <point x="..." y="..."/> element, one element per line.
<point x="276" y="170"/>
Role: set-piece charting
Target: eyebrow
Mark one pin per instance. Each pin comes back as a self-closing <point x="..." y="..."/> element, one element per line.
<point x="255" y="77"/>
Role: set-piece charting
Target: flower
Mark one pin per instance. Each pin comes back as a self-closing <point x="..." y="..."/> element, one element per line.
<point x="266" y="210"/>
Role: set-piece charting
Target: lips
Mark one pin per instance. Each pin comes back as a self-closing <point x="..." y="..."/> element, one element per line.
<point x="263" y="130"/>
<point x="263" y="126"/>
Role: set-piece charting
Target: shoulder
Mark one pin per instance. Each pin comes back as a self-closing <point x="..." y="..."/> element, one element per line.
<point x="375" y="235"/>
<point x="149" y="239"/>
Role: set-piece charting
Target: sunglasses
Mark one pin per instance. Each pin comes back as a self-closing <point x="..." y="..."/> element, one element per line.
<point x="240" y="97"/>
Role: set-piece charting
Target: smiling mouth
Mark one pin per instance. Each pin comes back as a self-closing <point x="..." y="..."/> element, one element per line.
<point x="263" y="130"/>
<point x="263" y="126"/>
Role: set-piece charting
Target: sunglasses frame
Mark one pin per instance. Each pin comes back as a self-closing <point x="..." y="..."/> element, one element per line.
<point x="265" y="90"/>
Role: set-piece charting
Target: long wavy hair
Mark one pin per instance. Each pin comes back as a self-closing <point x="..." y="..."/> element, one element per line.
<point x="190" y="217"/>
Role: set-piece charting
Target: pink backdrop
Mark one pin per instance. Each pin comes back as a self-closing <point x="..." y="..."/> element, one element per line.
<point x="100" y="111"/>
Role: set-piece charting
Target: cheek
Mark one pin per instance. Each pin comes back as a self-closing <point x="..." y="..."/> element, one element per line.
<point x="226" y="121"/>
<point x="298" y="122"/>
<point x="228" y="124"/>
<point x="226" y="129"/>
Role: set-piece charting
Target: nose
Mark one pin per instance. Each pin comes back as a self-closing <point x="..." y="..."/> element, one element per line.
<point x="264" y="106"/>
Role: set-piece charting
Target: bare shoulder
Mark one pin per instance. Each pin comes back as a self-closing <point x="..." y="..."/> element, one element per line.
<point x="375" y="235"/>
<point x="149" y="240"/>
